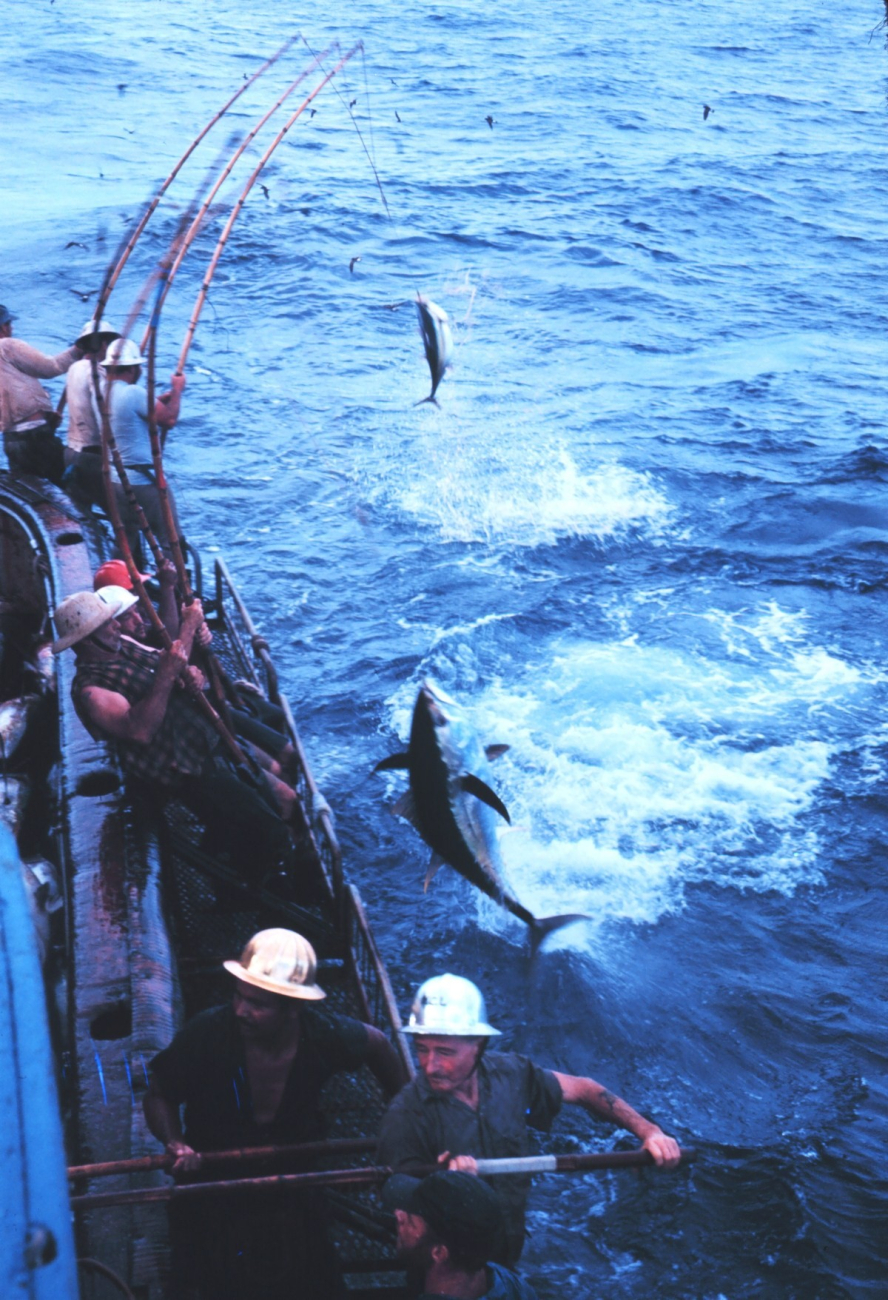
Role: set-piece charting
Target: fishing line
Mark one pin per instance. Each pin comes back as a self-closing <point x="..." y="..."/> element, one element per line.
<point x="360" y="135"/>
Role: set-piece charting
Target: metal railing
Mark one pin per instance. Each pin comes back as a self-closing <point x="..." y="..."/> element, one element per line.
<point x="370" y="975"/>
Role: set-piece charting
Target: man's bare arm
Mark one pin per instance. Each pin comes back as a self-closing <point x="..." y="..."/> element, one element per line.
<point x="600" y="1101"/>
<point x="162" y="1116"/>
<point x="385" y="1063"/>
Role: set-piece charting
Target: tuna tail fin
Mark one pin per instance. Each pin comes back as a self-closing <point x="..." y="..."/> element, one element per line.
<point x="431" y="398"/>
<point x="543" y="926"/>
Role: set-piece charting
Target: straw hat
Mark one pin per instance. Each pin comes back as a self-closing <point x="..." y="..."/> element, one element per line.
<point x="78" y="616"/>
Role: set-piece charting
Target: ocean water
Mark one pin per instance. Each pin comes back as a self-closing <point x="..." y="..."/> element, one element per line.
<point x="642" y="540"/>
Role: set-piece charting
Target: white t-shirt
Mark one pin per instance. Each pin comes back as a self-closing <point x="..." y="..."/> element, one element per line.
<point x="84" y="429"/>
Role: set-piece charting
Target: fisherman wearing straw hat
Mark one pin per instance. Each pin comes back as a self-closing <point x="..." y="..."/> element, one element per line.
<point x="131" y="695"/>
<point x="27" y="417"/>
<point x="83" y="451"/>
<point x="467" y="1103"/>
<point x="250" y="1073"/>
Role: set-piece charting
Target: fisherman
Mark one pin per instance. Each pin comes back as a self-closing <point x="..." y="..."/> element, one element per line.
<point x="132" y="695"/>
<point x="251" y="1074"/>
<point x="127" y="404"/>
<point x="114" y="573"/>
<point x="447" y="1228"/>
<point x="83" y="452"/>
<point x="27" y="417"/>
<point x="467" y="1103"/>
<point x="256" y="720"/>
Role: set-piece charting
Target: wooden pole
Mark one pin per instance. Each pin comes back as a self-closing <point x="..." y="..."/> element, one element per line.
<point x="226" y="172"/>
<point x="297" y="1151"/>
<point x="223" y="238"/>
<point x="365" y="1176"/>
<point x="146" y="217"/>
<point x="116" y="268"/>
<point x="196" y="694"/>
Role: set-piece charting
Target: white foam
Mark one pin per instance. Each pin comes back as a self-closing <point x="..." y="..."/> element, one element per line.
<point x="523" y="493"/>
<point x="635" y="771"/>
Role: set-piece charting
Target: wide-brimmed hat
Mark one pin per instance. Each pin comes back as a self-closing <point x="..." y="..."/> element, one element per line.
<point x="121" y="354"/>
<point x="96" y="329"/>
<point x="6" y="315"/>
<point x="78" y="616"/>
<point x="279" y="961"/>
<point x="118" y="599"/>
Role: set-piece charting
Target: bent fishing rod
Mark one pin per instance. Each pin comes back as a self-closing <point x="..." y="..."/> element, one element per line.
<point x="223" y="238"/>
<point x="372" y="1175"/>
<point x="242" y="147"/>
<point x="123" y="256"/>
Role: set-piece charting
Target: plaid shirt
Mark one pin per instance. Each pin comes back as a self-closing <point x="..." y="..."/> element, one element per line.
<point x="184" y="740"/>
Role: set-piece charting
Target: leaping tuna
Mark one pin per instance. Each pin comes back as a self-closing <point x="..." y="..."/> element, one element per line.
<point x="452" y="805"/>
<point x="437" y="341"/>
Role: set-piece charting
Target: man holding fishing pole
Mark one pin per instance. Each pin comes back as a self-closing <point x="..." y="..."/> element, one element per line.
<point x="128" y="416"/>
<point x="134" y="696"/>
<point x="27" y="417"/>
<point x="250" y="1074"/>
<point x="465" y="1100"/>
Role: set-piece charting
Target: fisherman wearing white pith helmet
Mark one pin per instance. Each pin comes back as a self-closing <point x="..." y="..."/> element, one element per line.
<point x="468" y="1103"/>
<point x="27" y="417"/>
<point x="249" y="1074"/>
<point x="127" y="403"/>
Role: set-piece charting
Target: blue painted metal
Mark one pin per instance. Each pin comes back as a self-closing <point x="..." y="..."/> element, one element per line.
<point x="37" y="1258"/>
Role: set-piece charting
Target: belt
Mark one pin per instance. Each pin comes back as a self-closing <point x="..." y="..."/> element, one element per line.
<point x="28" y="426"/>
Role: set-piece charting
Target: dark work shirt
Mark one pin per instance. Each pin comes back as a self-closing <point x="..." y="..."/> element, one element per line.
<point x="513" y="1094"/>
<point x="502" y="1284"/>
<point x="204" y="1068"/>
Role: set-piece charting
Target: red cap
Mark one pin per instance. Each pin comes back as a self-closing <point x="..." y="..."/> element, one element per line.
<point x="114" y="573"/>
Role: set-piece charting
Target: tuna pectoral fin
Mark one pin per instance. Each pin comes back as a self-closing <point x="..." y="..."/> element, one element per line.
<point x="392" y="763"/>
<point x="435" y="861"/>
<point x="545" y="925"/>
<point x="405" y="807"/>
<point x="474" y="785"/>
<point x="495" y="751"/>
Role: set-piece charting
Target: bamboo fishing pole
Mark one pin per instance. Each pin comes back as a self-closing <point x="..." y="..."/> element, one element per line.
<point x="296" y="1151"/>
<point x="370" y="1175"/>
<point x="169" y="519"/>
<point x="242" y="147"/>
<point x="122" y="540"/>
<point x="123" y="257"/>
<point x="223" y="238"/>
<point x="131" y="242"/>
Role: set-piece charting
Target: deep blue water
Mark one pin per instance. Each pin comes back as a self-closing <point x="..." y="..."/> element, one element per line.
<point x="643" y="540"/>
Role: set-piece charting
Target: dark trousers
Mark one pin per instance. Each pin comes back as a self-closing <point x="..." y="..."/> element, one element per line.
<point x="35" y="451"/>
<point x="241" y="817"/>
<point x="84" y="479"/>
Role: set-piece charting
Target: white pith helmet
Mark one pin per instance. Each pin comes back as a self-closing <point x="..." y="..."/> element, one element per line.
<point x="118" y="599"/>
<point x="279" y="961"/>
<point x="91" y="329"/>
<point x="449" y="1006"/>
<point x="122" y="352"/>
<point x="78" y="616"/>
